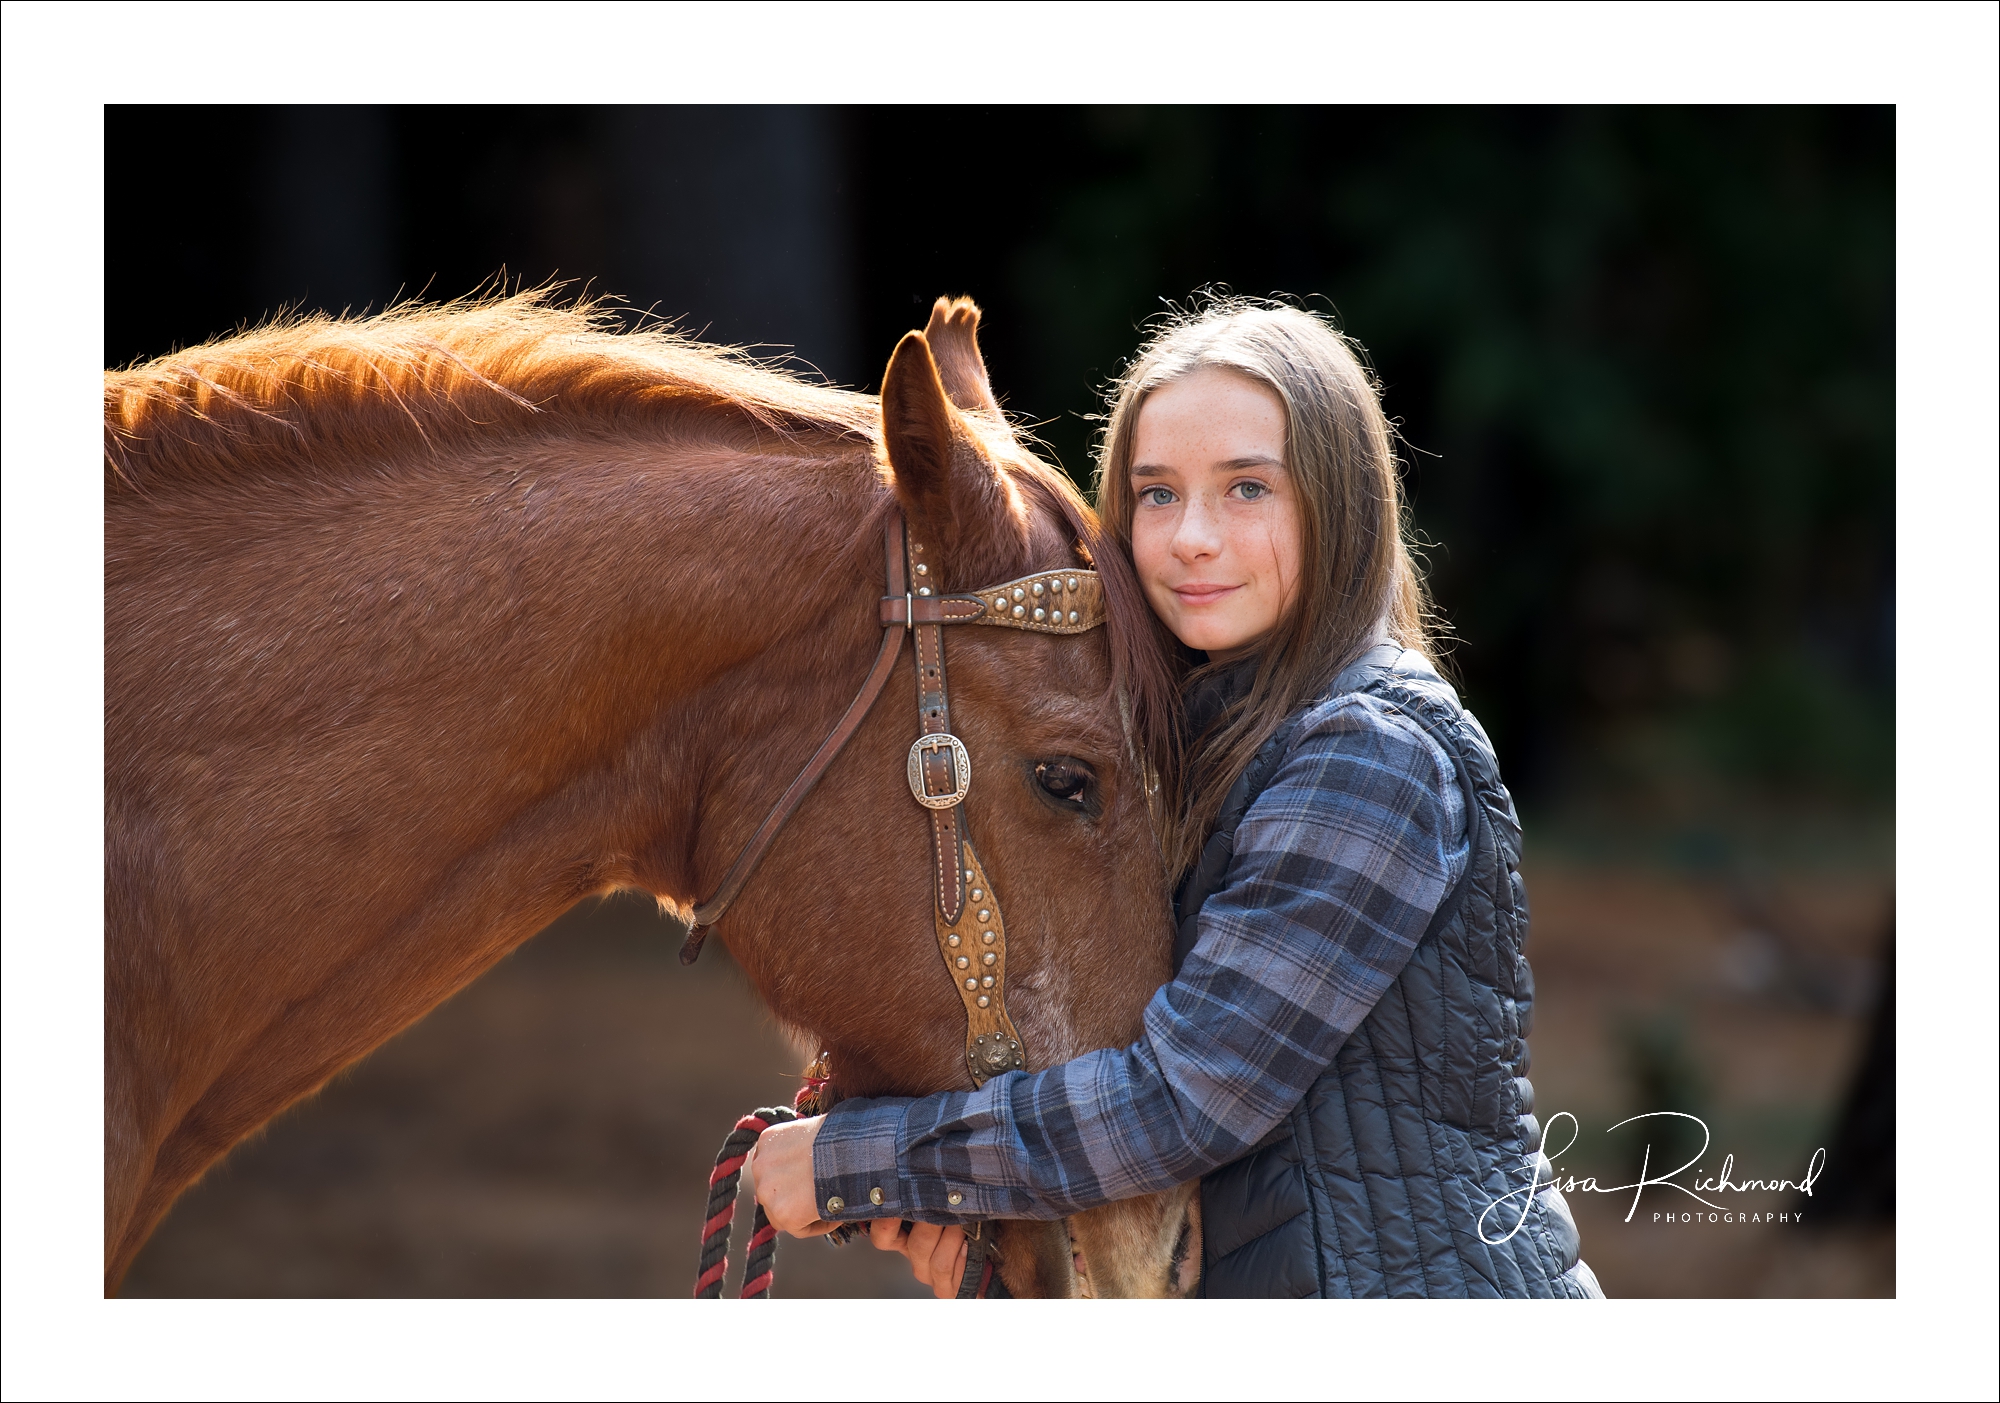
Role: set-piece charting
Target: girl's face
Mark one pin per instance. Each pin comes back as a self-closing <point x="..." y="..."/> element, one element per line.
<point x="1215" y="519"/>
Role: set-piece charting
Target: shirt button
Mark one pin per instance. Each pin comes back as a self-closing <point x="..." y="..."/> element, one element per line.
<point x="875" y="1197"/>
<point x="954" y="1198"/>
<point x="835" y="1204"/>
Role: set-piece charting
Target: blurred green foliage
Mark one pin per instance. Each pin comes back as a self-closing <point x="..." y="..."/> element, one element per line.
<point x="1642" y="358"/>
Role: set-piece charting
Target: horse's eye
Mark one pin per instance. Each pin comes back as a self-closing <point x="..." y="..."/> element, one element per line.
<point x="1063" y="779"/>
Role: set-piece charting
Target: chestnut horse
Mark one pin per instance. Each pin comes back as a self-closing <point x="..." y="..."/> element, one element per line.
<point x="421" y="628"/>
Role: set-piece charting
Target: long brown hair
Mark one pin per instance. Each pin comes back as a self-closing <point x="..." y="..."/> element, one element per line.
<point x="1357" y="572"/>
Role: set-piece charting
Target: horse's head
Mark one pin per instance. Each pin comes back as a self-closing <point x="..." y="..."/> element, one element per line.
<point x="1057" y="812"/>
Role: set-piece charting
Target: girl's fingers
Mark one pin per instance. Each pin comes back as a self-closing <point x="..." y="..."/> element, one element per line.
<point x="936" y="1253"/>
<point x="919" y="1247"/>
<point x="923" y="1240"/>
<point x="948" y="1263"/>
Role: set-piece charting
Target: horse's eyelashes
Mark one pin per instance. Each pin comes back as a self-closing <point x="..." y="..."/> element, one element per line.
<point x="1064" y="779"/>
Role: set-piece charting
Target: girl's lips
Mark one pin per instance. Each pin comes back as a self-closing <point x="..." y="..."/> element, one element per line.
<point x="1203" y="594"/>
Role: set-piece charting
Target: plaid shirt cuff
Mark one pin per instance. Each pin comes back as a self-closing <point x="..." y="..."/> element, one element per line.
<point x="856" y="1156"/>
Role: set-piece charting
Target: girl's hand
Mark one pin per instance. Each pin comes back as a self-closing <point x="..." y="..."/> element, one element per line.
<point x="937" y="1254"/>
<point x="782" y="1164"/>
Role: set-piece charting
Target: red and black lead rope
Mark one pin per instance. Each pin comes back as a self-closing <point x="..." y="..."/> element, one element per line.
<point x="980" y="1279"/>
<point x="722" y="1185"/>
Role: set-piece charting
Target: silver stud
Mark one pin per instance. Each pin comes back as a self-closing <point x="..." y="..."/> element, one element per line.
<point x="987" y="982"/>
<point x="1041" y="614"/>
<point x="954" y="1198"/>
<point x="1072" y="616"/>
<point x="1018" y="610"/>
<point x="1072" y="582"/>
<point x="835" y="1204"/>
<point x="963" y="962"/>
<point x="875" y="1197"/>
<point x="951" y="939"/>
<point x="1038" y="589"/>
<point x="972" y="983"/>
<point x="984" y="1001"/>
<point x="968" y="874"/>
<point x="925" y="592"/>
<point x="988" y="937"/>
<point x="990" y="957"/>
<point x="923" y="569"/>
<point x="983" y="915"/>
<point x="1019" y="593"/>
<point x="1000" y="605"/>
<point x="978" y="895"/>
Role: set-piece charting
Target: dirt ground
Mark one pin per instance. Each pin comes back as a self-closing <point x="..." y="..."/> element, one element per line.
<point x="549" y="1131"/>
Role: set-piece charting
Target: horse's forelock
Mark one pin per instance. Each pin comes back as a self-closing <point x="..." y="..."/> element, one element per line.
<point x="1142" y="676"/>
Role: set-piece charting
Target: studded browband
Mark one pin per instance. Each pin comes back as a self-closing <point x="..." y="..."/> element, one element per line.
<point x="971" y="933"/>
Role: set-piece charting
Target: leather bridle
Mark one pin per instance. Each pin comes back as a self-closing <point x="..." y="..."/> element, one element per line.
<point x="971" y="933"/>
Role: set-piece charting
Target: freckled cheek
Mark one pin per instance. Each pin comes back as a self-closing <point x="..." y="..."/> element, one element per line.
<point x="1278" y="563"/>
<point x="1149" y="556"/>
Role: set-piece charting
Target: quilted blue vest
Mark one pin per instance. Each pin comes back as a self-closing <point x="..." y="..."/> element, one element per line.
<point x="1375" y="1184"/>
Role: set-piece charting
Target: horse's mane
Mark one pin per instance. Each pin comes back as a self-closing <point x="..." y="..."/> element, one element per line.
<point x="298" y="395"/>
<point x="299" y="391"/>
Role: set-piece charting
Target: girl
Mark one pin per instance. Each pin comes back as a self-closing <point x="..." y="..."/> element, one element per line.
<point x="1340" y="1055"/>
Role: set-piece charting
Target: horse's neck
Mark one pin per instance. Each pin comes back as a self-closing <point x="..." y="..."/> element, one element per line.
<point x="366" y="737"/>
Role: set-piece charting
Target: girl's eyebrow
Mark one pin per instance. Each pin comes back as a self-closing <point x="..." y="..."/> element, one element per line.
<point x="1255" y="460"/>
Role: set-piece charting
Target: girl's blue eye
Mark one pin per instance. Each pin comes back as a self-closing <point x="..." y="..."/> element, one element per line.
<point x="1252" y="490"/>
<point x="1156" y="497"/>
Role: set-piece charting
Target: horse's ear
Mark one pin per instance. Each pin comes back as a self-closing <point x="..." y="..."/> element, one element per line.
<point x="952" y="494"/>
<point x="953" y="334"/>
<point x="918" y="429"/>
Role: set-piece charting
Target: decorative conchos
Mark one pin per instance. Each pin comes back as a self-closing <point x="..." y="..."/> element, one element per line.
<point x="992" y="1046"/>
<point x="1070" y="602"/>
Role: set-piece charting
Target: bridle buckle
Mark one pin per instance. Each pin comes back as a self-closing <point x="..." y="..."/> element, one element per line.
<point x="961" y="769"/>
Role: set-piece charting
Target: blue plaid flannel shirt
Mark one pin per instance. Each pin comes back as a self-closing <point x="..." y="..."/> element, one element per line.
<point x="1338" y="867"/>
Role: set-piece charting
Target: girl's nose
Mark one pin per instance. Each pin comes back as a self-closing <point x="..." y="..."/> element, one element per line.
<point x="1198" y="535"/>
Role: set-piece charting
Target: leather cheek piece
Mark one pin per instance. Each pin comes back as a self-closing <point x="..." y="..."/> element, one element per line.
<point x="973" y="942"/>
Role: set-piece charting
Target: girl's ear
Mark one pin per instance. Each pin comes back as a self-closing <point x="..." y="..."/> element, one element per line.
<point x="953" y="495"/>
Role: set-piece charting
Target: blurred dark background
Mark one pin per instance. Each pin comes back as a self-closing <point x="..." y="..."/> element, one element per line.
<point x="1643" y="362"/>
